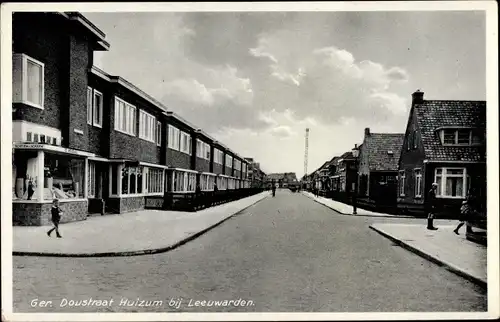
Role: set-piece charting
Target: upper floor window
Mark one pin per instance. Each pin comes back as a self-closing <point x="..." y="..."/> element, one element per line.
<point x="229" y="161"/>
<point x="185" y="143"/>
<point x="414" y="139"/>
<point x="202" y="150"/>
<point x="125" y="117"/>
<point x="28" y="80"/>
<point x="173" y="138"/>
<point x="147" y="126"/>
<point x="237" y="165"/>
<point x="158" y="133"/>
<point x="218" y="156"/>
<point x="94" y="107"/>
<point x="462" y="136"/>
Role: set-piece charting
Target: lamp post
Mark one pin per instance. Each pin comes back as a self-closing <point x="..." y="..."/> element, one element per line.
<point x="355" y="154"/>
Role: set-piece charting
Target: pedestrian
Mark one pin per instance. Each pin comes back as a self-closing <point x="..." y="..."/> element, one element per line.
<point x="465" y="212"/>
<point x="274" y="189"/>
<point x="431" y="203"/>
<point x="56" y="218"/>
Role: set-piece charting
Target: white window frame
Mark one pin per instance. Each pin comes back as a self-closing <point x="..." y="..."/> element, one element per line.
<point x="147" y="126"/>
<point x="91" y="180"/>
<point x="418" y="182"/>
<point x="455" y="143"/>
<point x="95" y="122"/>
<point x="218" y="156"/>
<point x="188" y="181"/>
<point x="229" y="161"/>
<point x="182" y="146"/>
<point x="128" y="182"/>
<point x="20" y="78"/>
<point x="173" y="138"/>
<point x="207" y="181"/>
<point x="402" y="179"/>
<point x="444" y="175"/>
<point x="158" y="133"/>
<point x="90" y="105"/>
<point x="155" y="176"/>
<point x="130" y="112"/>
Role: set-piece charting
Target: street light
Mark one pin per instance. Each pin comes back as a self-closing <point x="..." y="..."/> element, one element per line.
<point x="355" y="154"/>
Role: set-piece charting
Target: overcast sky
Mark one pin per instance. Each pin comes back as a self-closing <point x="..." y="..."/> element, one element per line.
<point x="255" y="81"/>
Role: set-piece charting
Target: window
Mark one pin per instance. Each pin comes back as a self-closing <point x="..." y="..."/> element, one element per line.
<point x="218" y="156"/>
<point x="89" y="105"/>
<point x="173" y="137"/>
<point x="158" y="133"/>
<point x="94" y="107"/>
<point x="207" y="182"/>
<point x="132" y="180"/>
<point x="237" y="165"/>
<point x="222" y="183"/>
<point x="418" y="183"/>
<point x="125" y="117"/>
<point x="91" y="180"/>
<point x="202" y="150"/>
<point x="414" y="139"/>
<point x="229" y="161"/>
<point x="402" y="178"/>
<point x="451" y="182"/>
<point x="67" y="175"/>
<point x="154" y="181"/>
<point x="462" y="136"/>
<point x="183" y="181"/>
<point x="147" y="126"/>
<point x="185" y="143"/>
<point x="28" y="80"/>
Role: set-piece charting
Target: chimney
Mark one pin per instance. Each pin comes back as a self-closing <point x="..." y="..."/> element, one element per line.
<point x="417" y="97"/>
<point x="367" y="131"/>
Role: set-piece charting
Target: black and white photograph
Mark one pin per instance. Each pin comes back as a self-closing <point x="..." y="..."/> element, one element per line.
<point x="287" y="161"/>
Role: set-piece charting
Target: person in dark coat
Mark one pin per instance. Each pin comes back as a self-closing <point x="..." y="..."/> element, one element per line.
<point x="56" y="218"/>
<point x="431" y="203"/>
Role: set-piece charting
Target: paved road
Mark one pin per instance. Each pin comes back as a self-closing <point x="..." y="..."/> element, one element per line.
<point x="286" y="254"/>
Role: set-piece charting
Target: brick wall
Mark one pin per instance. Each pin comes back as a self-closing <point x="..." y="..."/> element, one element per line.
<point x="177" y="159"/>
<point x="237" y="174"/>
<point x="42" y="38"/>
<point x="129" y="147"/>
<point x="411" y="159"/>
<point x="154" y="202"/>
<point x="79" y="63"/>
<point x="37" y="214"/>
<point x="202" y="165"/>
<point x="131" y="204"/>
<point x="217" y="168"/>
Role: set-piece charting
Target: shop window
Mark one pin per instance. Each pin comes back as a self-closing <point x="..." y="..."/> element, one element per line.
<point x="64" y="176"/>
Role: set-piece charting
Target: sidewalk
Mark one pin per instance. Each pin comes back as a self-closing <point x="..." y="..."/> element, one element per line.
<point x="135" y="233"/>
<point x="442" y="246"/>
<point x="344" y="209"/>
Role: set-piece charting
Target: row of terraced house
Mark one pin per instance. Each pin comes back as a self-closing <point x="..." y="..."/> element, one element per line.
<point x="444" y="143"/>
<point x="95" y="141"/>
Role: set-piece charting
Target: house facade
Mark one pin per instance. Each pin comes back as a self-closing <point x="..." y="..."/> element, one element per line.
<point x="445" y="143"/>
<point x="343" y="175"/>
<point x="378" y="168"/>
<point x="95" y="141"/>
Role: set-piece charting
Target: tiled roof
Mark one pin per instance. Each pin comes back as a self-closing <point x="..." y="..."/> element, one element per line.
<point x="377" y="147"/>
<point x="433" y="114"/>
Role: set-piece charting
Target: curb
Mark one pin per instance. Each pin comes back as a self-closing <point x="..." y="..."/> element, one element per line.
<point x="452" y="268"/>
<point x="373" y="216"/>
<point x="137" y="252"/>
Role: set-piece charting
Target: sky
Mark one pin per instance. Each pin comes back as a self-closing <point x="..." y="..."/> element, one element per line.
<point x="256" y="80"/>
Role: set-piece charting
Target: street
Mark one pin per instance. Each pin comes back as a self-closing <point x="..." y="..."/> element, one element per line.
<point x="283" y="254"/>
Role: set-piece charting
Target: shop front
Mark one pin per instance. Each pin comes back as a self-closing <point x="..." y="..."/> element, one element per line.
<point x="42" y="173"/>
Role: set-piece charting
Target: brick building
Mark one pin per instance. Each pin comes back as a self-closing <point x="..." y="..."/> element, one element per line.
<point x="378" y="168"/>
<point x="445" y="142"/>
<point x="95" y="141"/>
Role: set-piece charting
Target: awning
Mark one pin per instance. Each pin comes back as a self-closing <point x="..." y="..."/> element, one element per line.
<point x="51" y="148"/>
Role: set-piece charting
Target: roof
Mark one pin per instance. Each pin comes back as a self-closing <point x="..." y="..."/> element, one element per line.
<point x="378" y="145"/>
<point x="434" y="114"/>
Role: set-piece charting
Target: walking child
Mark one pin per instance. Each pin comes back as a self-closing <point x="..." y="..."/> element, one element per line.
<point x="465" y="212"/>
<point x="56" y="218"/>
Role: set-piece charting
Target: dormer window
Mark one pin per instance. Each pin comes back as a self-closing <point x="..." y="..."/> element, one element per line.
<point x="461" y="136"/>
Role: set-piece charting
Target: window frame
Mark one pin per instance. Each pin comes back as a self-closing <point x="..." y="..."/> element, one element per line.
<point x="128" y="108"/>
<point x="22" y="76"/>
<point x="91" y="180"/>
<point x="158" y="133"/>
<point x="418" y="182"/>
<point x="173" y="137"/>
<point x="471" y="130"/>
<point x="151" y="172"/>
<point x="186" y="175"/>
<point x="402" y="182"/>
<point x="97" y="123"/>
<point x="147" y="125"/>
<point x="444" y="176"/>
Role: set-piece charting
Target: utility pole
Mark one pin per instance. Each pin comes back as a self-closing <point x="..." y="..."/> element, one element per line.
<point x="306" y="153"/>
